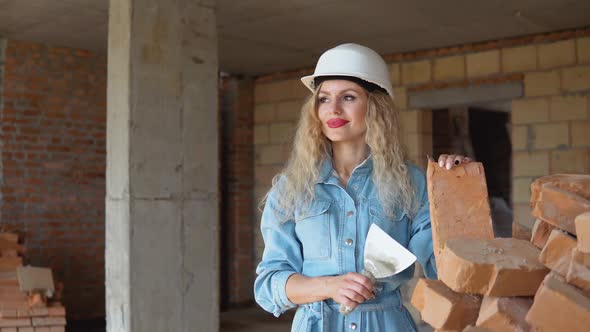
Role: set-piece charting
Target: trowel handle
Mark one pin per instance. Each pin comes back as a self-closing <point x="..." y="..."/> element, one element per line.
<point x="346" y="310"/>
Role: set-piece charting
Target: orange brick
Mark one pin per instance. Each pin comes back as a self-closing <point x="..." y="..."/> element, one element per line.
<point x="578" y="273"/>
<point x="541" y="232"/>
<point x="559" y="307"/>
<point x="26" y="329"/>
<point x="575" y="183"/>
<point x="557" y="253"/>
<point x="497" y="267"/>
<point x="57" y="329"/>
<point x="42" y="329"/>
<point x="11" y="237"/>
<point x="9" y="329"/>
<point x="8" y="264"/>
<point x="443" y="308"/>
<point x="560" y="208"/>
<point x="582" y="223"/>
<point x="15" y="322"/>
<point x="48" y="321"/>
<point x="504" y="313"/>
<point x="58" y="310"/>
<point x="8" y="313"/>
<point x="520" y="231"/>
<point x="451" y="213"/>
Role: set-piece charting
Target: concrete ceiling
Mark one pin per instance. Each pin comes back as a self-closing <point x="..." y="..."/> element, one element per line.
<point x="264" y="36"/>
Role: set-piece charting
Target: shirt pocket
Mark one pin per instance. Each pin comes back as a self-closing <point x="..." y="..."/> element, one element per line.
<point x="312" y="227"/>
<point x="378" y="215"/>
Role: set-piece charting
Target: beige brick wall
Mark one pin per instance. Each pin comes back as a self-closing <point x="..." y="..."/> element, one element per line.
<point x="550" y="123"/>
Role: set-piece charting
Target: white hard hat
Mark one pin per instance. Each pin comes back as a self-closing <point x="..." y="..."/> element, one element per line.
<point x="352" y="60"/>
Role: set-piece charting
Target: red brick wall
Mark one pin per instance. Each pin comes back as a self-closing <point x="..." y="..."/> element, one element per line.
<point x="237" y="183"/>
<point x="53" y="126"/>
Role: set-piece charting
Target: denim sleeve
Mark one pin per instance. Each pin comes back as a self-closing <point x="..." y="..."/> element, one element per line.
<point x="421" y="233"/>
<point x="282" y="258"/>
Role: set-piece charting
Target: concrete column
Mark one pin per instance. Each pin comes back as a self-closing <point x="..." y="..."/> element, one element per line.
<point x="162" y="161"/>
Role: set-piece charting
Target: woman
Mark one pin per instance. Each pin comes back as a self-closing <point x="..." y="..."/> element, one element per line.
<point x="346" y="171"/>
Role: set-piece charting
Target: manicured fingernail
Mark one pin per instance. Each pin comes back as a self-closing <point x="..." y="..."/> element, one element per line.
<point x="441" y="163"/>
<point x="457" y="162"/>
<point x="448" y="166"/>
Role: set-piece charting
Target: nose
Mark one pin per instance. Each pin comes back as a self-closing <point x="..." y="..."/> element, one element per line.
<point x="335" y="108"/>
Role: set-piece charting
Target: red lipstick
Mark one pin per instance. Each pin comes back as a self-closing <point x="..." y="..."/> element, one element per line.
<point x="337" y="123"/>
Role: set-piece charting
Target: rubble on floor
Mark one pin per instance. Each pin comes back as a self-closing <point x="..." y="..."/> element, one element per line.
<point x="24" y="293"/>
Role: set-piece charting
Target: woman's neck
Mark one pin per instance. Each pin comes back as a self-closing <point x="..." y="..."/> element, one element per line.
<point x="346" y="157"/>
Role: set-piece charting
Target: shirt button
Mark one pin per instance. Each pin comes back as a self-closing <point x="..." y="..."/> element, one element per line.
<point x="348" y="242"/>
<point x="349" y="213"/>
<point x="355" y="187"/>
<point x="352" y="326"/>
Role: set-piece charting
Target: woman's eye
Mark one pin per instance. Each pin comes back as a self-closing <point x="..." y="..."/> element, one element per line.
<point x="322" y="100"/>
<point x="349" y="98"/>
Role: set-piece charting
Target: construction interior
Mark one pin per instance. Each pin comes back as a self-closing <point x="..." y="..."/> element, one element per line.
<point x="138" y="137"/>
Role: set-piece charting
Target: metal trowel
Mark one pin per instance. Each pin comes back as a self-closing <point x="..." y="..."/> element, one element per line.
<point x="384" y="257"/>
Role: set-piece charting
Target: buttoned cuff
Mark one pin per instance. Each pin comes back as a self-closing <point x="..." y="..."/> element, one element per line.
<point x="279" y="291"/>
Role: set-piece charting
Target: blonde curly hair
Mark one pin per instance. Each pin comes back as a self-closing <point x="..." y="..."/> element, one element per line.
<point x="295" y="184"/>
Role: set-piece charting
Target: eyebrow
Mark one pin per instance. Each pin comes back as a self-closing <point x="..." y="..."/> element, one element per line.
<point x="343" y="91"/>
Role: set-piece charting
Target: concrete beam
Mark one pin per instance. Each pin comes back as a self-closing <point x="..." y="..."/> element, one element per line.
<point x="464" y="95"/>
<point x="162" y="165"/>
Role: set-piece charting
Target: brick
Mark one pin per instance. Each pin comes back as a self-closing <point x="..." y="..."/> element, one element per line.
<point x="264" y="113"/>
<point x="475" y="329"/>
<point x="578" y="273"/>
<point x="443" y="308"/>
<point x="264" y="174"/>
<point x="288" y="110"/>
<point x="576" y="78"/>
<point x="279" y="91"/>
<point x="8" y="313"/>
<point x="270" y="154"/>
<point x="520" y="137"/>
<point x="10" y="237"/>
<point x="416" y="72"/>
<point x="559" y="307"/>
<point x="519" y="59"/>
<point x="570" y="161"/>
<point x="583" y="49"/>
<point x="496" y="267"/>
<point x="550" y="135"/>
<point x="557" y="253"/>
<point x="530" y="163"/>
<point x="530" y="110"/>
<point x="521" y="192"/>
<point x="575" y="183"/>
<point x="449" y="68"/>
<point x="521" y="231"/>
<point x="56" y="310"/>
<point x="582" y="224"/>
<point x="26" y="329"/>
<point x="400" y="98"/>
<point x="483" y="64"/>
<point x="15" y="322"/>
<point x="568" y="108"/>
<point x="559" y="207"/>
<point x="57" y="329"/>
<point x="542" y="83"/>
<point x="9" y="329"/>
<point x="43" y="329"/>
<point x="504" y="313"/>
<point x="282" y="132"/>
<point x="395" y="74"/>
<point x="541" y="232"/>
<point x="48" y="321"/>
<point x="561" y="53"/>
<point x="581" y="134"/>
<point x="468" y="206"/>
<point x="8" y="264"/>
<point x="261" y="134"/>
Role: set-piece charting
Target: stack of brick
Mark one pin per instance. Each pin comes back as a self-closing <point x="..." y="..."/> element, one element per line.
<point x="23" y="311"/>
<point x="485" y="283"/>
<point x="561" y="205"/>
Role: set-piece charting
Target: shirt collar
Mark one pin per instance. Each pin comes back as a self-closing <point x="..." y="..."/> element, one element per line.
<point x="327" y="170"/>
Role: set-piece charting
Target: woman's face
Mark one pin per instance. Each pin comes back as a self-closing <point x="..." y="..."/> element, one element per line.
<point x="342" y="109"/>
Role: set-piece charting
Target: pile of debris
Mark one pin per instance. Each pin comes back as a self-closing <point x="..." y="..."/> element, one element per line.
<point x="25" y="293"/>
<point x="507" y="284"/>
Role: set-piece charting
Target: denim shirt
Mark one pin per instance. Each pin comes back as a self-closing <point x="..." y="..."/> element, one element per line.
<point x="328" y="238"/>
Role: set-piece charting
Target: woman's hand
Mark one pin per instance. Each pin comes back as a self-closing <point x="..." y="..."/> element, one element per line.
<point x="448" y="161"/>
<point x="350" y="289"/>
